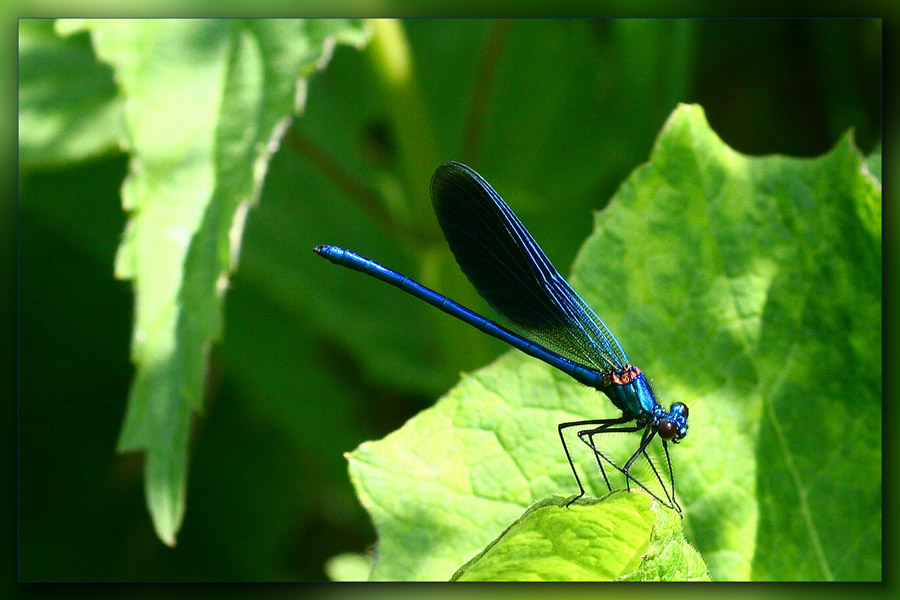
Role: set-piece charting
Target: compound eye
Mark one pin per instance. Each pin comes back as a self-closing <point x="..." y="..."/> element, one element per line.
<point x="666" y="430"/>
<point x="681" y="408"/>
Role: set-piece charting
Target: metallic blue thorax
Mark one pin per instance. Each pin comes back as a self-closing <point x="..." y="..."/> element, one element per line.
<point x="630" y="392"/>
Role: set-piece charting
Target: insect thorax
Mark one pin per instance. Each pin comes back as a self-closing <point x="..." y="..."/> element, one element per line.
<point x="629" y="391"/>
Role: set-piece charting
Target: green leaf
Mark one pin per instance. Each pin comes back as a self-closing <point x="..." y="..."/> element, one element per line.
<point x="68" y="106"/>
<point x="747" y="288"/>
<point x="873" y="163"/>
<point x="206" y="103"/>
<point x="623" y="536"/>
<point x="764" y="275"/>
<point x="456" y="475"/>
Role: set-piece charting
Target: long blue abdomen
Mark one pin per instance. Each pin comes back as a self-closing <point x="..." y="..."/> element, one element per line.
<point x="352" y="260"/>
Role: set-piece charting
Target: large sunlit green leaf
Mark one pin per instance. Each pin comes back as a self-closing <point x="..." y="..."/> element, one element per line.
<point x="622" y="537"/>
<point x="68" y="106"/>
<point x="205" y="104"/>
<point x="747" y="288"/>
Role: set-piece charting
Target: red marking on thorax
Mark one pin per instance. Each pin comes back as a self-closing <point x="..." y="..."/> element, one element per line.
<point x="624" y="377"/>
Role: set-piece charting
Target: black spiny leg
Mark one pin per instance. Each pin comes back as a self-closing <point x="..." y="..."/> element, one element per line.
<point x="609" y="426"/>
<point x="601" y="426"/>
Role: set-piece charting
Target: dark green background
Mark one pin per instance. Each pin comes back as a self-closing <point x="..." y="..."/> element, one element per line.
<point x="562" y="112"/>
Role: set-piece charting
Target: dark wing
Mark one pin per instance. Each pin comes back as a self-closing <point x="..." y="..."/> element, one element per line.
<point x="513" y="274"/>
